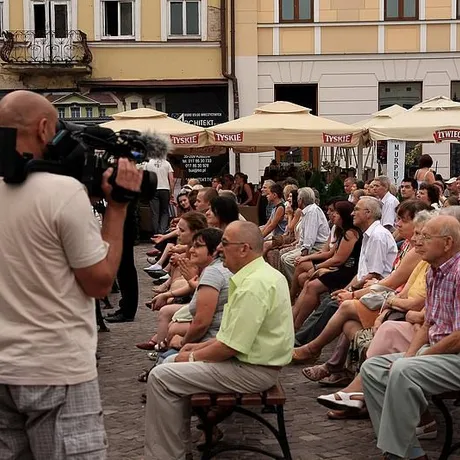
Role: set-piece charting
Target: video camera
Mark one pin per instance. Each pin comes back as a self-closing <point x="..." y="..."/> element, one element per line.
<point x="85" y="153"/>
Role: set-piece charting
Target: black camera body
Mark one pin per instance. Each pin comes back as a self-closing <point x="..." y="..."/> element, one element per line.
<point x="85" y="153"/>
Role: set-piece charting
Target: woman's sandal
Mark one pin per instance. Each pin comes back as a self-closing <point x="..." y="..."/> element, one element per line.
<point x="150" y="345"/>
<point x="298" y="359"/>
<point x="316" y="373"/>
<point x="337" y="379"/>
<point x="342" y="400"/>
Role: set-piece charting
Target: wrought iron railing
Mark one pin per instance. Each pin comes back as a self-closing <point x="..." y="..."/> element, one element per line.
<point x="52" y="47"/>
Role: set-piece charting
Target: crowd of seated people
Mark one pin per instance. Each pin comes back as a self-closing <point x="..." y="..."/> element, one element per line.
<point x="363" y="265"/>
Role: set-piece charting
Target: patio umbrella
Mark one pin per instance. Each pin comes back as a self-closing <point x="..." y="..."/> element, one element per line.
<point x="281" y="125"/>
<point x="382" y="117"/>
<point x="185" y="137"/>
<point x="434" y="120"/>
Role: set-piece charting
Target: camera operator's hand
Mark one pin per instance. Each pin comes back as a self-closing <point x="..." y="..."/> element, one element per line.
<point x="128" y="177"/>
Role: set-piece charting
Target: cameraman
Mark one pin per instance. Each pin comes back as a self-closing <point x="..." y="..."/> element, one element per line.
<point x="53" y="262"/>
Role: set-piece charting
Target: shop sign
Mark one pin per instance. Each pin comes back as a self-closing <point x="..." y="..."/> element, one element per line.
<point x="447" y="135"/>
<point x="185" y="139"/>
<point x="228" y="137"/>
<point x="396" y="159"/>
<point x="332" y="139"/>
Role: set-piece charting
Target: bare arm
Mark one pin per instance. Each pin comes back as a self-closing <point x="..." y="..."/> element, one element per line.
<point x="272" y="223"/>
<point x="171" y="184"/>
<point x="343" y="252"/>
<point x="215" y="352"/>
<point x="414" y="303"/>
<point x="293" y="220"/>
<point x="420" y="339"/>
<point x="97" y="280"/>
<point x="206" y="304"/>
<point x="248" y="191"/>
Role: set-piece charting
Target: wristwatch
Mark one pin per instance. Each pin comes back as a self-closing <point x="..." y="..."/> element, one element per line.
<point x="191" y="357"/>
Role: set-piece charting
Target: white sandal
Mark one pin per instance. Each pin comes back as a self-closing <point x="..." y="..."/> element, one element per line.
<point x="344" y="401"/>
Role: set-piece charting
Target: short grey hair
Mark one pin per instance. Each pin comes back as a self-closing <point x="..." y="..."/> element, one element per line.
<point x="384" y="181"/>
<point x="422" y="217"/>
<point x="373" y="205"/>
<point x="228" y="194"/>
<point x="269" y="183"/>
<point x="307" y="195"/>
<point x="453" y="211"/>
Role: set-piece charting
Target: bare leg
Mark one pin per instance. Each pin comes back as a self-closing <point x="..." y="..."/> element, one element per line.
<point x="297" y="282"/>
<point x="164" y="318"/>
<point x="267" y="247"/>
<point x="346" y="312"/>
<point x="166" y="254"/>
<point x="307" y="302"/>
<point x="177" y="329"/>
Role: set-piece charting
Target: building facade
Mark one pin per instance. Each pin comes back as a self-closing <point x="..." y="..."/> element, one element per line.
<point x="348" y="59"/>
<point x="93" y="58"/>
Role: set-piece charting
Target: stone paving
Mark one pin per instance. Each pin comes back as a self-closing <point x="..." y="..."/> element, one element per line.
<point x="311" y="435"/>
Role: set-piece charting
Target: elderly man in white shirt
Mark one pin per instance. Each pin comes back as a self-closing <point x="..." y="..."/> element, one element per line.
<point x="313" y="233"/>
<point x="389" y="201"/>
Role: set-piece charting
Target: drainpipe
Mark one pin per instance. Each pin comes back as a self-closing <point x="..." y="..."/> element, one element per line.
<point x="230" y="74"/>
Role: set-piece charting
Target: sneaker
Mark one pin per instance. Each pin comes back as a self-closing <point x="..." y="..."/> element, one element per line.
<point x="164" y="278"/>
<point x="153" y="268"/>
<point x="428" y="431"/>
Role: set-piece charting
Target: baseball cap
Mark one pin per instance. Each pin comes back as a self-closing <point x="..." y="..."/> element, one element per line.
<point x="451" y="180"/>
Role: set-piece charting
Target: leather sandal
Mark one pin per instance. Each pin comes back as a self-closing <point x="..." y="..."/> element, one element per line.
<point x="341" y="400"/>
<point x="316" y="373"/>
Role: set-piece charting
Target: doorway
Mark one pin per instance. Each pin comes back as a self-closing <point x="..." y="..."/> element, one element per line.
<point x="50" y="21"/>
<point x="306" y="95"/>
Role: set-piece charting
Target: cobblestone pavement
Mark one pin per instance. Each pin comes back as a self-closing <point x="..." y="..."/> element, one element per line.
<point x="311" y="435"/>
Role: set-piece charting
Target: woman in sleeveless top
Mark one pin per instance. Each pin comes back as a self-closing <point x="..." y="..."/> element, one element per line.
<point x="335" y="272"/>
<point x="242" y="190"/>
<point x="424" y="173"/>
<point x="277" y="222"/>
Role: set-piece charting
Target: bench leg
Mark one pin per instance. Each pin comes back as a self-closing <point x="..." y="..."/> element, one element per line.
<point x="446" y="449"/>
<point x="282" y="437"/>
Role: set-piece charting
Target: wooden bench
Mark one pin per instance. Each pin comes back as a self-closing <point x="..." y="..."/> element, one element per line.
<point x="438" y="400"/>
<point x="271" y="401"/>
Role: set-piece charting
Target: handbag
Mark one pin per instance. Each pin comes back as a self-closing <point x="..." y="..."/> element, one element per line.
<point x="376" y="299"/>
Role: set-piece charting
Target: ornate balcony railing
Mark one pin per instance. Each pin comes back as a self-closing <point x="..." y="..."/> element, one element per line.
<point x="50" y="47"/>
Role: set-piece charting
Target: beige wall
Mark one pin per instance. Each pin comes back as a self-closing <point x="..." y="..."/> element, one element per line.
<point x="438" y="37"/>
<point x="297" y="41"/>
<point x="265" y="42"/>
<point x="349" y="10"/>
<point x="265" y="11"/>
<point x="85" y="18"/>
<point x="353" y="39"/>
<point x="399" y="39"/>
<point x="156" y="63"/>
<point x="438" y="9"/>
<point x="16" y="15"/>
<point x="246" y="28"/>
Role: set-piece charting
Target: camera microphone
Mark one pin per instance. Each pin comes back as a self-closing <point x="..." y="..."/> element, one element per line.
<point x="157" y="146"/>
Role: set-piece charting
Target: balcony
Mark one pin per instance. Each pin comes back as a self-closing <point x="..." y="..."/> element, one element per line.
<point x="50" y="52"/>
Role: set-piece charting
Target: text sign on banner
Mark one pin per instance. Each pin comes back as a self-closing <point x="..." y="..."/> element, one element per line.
<point x="396" y="159"/>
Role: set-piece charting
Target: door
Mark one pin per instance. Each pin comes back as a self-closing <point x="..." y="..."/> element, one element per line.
<point x="52" y="40"/>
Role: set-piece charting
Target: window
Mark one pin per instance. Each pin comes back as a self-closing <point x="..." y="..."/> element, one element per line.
<point x="2" y="9"/>
<point x="405" y="94"/>
<point x="296" y="10"/>
<point x="401" y="10"/>
<point x="184" y="18"/>
<point x="102" y="112"/>
<point x="75" y="112"/>
<point x="159" y="107"/>
<point x="118" y="18"/>
<point x="89" y="112"/>
<point x="134" y="105"/>
<point x="61" y="112"/>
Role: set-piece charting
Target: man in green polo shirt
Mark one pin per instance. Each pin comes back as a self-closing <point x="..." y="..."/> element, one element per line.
<point x="255" y="340"/>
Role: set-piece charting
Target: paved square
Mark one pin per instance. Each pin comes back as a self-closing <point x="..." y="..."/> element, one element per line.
<point x="311" y="435"/>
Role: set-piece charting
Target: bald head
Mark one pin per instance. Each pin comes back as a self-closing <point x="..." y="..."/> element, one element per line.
<point x="249" y="233"/>
<point x="445" y="226"/>
<point x="33" y="116"/>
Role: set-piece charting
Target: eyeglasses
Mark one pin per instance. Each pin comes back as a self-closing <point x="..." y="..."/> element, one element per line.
<point x="425" y="237"/>
<point x="226" y="243"/>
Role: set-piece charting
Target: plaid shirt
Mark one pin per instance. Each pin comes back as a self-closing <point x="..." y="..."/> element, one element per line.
<point x="443" y="299"/>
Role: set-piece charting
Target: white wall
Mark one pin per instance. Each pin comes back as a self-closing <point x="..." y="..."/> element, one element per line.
<point x="348" y="86"/>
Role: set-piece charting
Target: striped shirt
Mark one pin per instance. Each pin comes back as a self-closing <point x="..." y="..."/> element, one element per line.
<point x="443" y="299"/>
